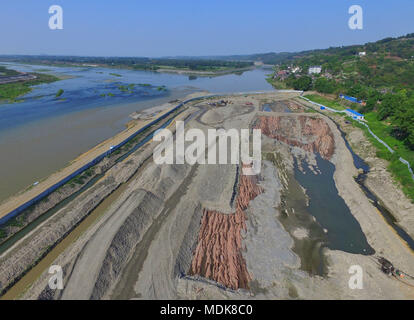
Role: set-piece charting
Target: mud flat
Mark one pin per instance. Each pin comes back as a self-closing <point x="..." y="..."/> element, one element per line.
<point x="209" y="232"/>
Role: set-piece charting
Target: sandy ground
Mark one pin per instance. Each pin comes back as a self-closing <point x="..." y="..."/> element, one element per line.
<point x="143" y="243"/>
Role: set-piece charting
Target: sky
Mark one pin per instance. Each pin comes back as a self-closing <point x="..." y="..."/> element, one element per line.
<point x="195" y="27"/>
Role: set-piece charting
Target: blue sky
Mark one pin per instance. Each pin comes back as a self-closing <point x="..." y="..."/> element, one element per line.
<point x="195" y="27"/>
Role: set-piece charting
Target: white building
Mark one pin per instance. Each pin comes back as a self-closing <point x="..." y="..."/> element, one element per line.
<point x="315" y="69"/>
<point x="362" y="53"/>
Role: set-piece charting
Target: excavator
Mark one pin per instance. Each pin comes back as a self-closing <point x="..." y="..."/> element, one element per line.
<point x="388" y="268"/>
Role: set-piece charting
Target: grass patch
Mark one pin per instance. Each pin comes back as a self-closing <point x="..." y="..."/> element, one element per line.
<point x="81" y="178"/>
<point x="383" y="131"/>
<point x="11" y="91"/>
<point x="3" y="234"/>
<point x="279" y="85"/>
<point x="325" y="101"/>
<point x="398" y="170"/>
<point x="59" y="93"/>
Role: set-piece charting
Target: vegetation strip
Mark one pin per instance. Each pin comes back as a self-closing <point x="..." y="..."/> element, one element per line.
<point x="402" y="160"/>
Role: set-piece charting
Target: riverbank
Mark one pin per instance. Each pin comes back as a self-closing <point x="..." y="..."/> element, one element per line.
<point x="87" y="117"/>
<point x="65" y="226"/>
<point x="379" y="180"/>
<point x="215" y="73"/>
<point x="398" y="155"/>
<point x="41" y="186"/>
<point x="197" y="67"/>
<point x="11" y="92"/>
<point x="380" y="235"/>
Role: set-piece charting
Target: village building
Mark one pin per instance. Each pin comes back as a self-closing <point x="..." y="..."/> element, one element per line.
<point x="354" y="114"/>
<point x="315" y="70"/>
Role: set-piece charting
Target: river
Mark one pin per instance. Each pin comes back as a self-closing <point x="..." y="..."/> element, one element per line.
<point x="43" y="133"/>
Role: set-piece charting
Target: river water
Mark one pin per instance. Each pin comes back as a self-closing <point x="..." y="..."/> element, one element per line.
<point x="343" y="231"/>
<point x="43" y="133"/>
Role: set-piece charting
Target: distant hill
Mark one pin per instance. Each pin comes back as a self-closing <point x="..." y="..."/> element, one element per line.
<point x="138" y="63"/>
<point x="401" y="47"/>
<point x="387" y="64"/>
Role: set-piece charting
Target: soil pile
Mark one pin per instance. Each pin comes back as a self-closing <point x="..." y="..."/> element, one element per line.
<point x="309" y="133"/>
<point x="218" y="255"/>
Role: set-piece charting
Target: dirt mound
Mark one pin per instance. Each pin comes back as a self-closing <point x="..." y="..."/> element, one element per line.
<point x="126" y="239"/>
<point x="218" y="255"/>
<point x="212" y="117"/>
<point x="309" y="133"/>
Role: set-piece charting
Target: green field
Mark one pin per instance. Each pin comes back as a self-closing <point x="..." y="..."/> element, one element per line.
<point x="383" y="131"/>
<point x="325" y="101"/>
<point x="9" y="92"/>
<point x="398" y="170"/>
<point x="59" y="93"/>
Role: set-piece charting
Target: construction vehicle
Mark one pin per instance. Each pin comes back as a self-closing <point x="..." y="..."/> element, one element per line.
<point x="388" y="268"/>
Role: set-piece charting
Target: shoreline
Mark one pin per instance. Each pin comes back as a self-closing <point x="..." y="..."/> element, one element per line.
<point x="204" y="73"/>
<point x="160" y="70"/>
<point x="31" y="191"/>
<point x="379" y="180"/>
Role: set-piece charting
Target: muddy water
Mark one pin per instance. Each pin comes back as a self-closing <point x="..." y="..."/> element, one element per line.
<point x="43" y="133"/>
<point x="44" y="146"/>
<point x="311" y="202"/>
<point x="140" y="141"/>
<point x="276" y="107"/>
<point x="45" y="262"/>
<point x="295" y="214"/>
<point x="359" y="163"/>
<point x="343" y="231"/>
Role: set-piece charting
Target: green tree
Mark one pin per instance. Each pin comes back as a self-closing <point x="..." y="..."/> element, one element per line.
<point x="303" y="83"/>
<point x="324" y="85"/>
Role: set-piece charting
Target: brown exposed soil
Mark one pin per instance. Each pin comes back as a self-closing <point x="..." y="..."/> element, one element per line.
<point x="295" y="107"/>
<point x="218" y="255"/>
<point x="309" y="133"/>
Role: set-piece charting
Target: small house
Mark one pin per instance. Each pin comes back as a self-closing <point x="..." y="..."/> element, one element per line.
<point x="354" y="115"/>
<point x="315" y="70"/>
